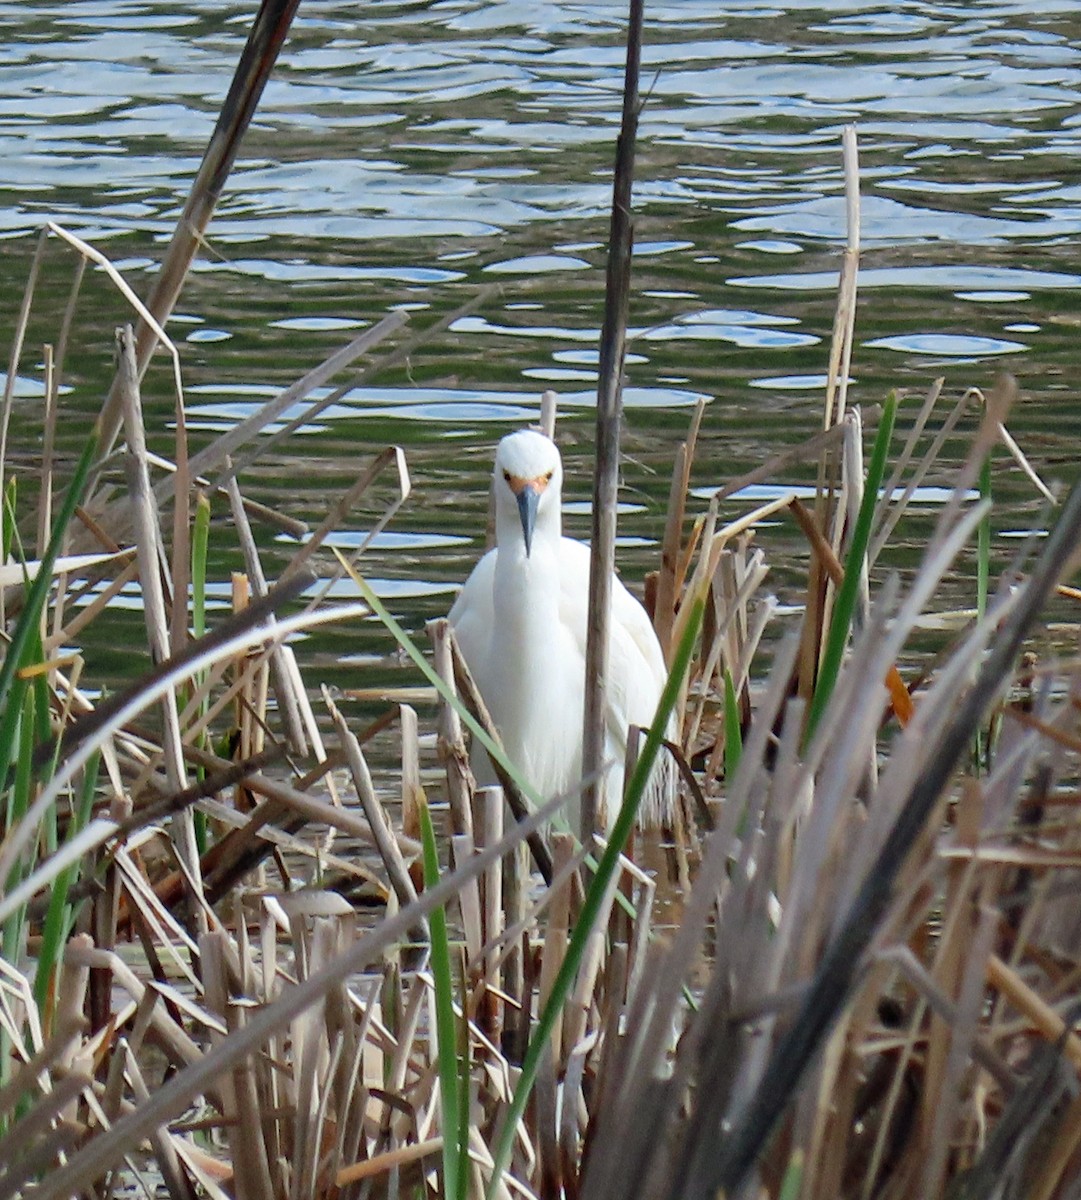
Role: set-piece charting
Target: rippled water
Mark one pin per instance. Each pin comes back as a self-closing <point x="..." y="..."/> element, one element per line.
<point x="410" y="155"/>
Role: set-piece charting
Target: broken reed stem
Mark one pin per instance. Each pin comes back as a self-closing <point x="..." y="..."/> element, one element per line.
<point x="150" y="555"/>
<point x="668" y="580"/>
<point x="45" y="495"/>
<point x="609" y="410"/>
<point x="549" y="410"/>
<point x="451" y="740"/>
<point x="833" y="414"/>
<point x="283" y="683"/>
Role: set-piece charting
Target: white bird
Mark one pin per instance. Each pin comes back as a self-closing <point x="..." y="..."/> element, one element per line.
<point x="520" y="621"/>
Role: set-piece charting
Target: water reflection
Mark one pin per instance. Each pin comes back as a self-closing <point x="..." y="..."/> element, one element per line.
<point x="947" y="345"/>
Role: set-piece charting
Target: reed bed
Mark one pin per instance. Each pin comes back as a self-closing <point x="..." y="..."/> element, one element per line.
<point x="850" y="969"/>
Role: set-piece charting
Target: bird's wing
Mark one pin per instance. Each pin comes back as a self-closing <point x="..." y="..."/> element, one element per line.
<point x="629" y="614"/>
<point x="636" y="670"/>
<point x="636" y="667"/>
<point x="473" y="613"/>
<point x="637" y="675"/>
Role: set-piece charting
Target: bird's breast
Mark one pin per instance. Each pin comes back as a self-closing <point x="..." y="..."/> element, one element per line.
<point x="533" y="676"/>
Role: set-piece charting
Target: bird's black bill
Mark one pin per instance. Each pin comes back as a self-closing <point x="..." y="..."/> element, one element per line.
<point x="528" y="499"/>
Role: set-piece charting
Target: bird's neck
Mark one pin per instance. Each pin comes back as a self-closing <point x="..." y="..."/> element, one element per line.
<point x="527" y="587"/>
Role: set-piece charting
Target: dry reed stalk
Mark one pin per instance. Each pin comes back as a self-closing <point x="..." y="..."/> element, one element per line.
<point x="726" y="645"/>
<point x="450" y="744"/>
<point x="412" y="792"/>
<point x="18" y="336"/>
<point x="149" y="553"/>
<point x="609" y="410"/>
<point x="491" y="1019"/>
<point x="670" y="578"/>
<point x="45" y="501"/>
<point x="62" y="634"/>
<point x="834" y="412"/>
<point x="549" y="410"/>
<point x="391" y="455"/>
<point x="180" y="566"/>
<point x="285" y="684"/>
<point x="382" y="833"/>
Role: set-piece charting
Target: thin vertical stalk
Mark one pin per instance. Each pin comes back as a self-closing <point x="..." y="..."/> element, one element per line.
<point x="817" y="610"/>
<point x="200" y="543"/>
<point x="148" y="545"/>
<point x="48" y="441"/>
<point x="845" y="607"/>
<point x="609" y="410"/>
<point x="983" y="542"/>
<point x="548" y="412"/>
<point x="450" y="1076"/>
<point x="983" y="580"/>
<point x="19" y="335"/>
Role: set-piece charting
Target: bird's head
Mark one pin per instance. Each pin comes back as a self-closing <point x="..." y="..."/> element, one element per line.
<point x="528" y="478"/>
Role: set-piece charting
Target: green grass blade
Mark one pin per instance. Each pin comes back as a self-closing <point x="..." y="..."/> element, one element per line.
<point x="8" y="527"/>
<point x="792" y="1183"/>
<point x="18" y="802"/>
<point x="465" y="1081"/>
<point x="596" y="891"/>
<point x="16" y="740"/>
<point x="733" y="735"/>
<point x="39" y="588"/>
<point x="200" y="542"/>
<point x="446" y="1034"/>
<point x="845" y="607"/>
<point x="61" y="914"/>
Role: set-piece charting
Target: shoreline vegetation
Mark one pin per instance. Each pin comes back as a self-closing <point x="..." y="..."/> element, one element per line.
<point x="850" y="969"/>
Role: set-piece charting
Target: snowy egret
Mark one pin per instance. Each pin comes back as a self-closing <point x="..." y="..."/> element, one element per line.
<point x="520" y="621"/>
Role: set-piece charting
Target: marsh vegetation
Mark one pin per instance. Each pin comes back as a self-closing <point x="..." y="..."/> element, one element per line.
<point x="233" y="966"/>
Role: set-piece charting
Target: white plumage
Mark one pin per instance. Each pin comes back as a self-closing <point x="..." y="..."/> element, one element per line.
<point x="520" y="621"/>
